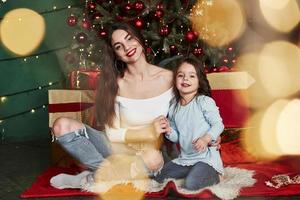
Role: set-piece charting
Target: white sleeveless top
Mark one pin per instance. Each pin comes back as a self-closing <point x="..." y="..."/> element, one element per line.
<point x="137" y="113"/>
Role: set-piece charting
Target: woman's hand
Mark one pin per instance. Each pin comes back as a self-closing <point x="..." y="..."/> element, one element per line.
<point x="217" y="143"/>
<point x="161" y="125"/>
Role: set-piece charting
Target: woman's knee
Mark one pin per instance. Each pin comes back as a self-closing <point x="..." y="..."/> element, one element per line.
<point x="63" y="125"/>
<point x="153" y="160"/>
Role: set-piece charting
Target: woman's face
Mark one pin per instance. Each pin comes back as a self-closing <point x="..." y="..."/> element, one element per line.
<point x="126" y="46"/>
<point x="187" y="81"/>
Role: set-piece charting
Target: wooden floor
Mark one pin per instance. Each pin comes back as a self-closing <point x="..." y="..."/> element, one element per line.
<point x="21" y="163"/>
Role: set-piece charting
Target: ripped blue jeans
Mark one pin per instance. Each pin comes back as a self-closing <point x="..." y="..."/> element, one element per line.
<point x="87" y="145"/>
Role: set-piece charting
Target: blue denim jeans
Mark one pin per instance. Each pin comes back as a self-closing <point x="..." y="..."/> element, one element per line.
<point x="87" y="145"/>
<point x="196" y="176"/>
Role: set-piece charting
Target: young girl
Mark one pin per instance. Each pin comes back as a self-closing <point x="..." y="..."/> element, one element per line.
<point x="194" y="122"/>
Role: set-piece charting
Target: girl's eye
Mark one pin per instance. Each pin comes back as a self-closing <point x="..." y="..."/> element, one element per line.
<point x="192" y="76"/>
<point x="179" y="75"/>
<point x="130" y="38"/>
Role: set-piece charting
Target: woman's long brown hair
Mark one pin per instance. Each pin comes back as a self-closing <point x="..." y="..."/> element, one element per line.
<point x="113" y="68"/>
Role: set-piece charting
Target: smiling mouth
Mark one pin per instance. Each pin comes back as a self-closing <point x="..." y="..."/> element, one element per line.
<point x="185" y="85"/>
<point x="131" y="52"/>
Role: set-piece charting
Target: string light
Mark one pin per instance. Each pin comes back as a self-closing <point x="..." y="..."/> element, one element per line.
<point x="3" y="99"/>
<point x="31" y="111"/>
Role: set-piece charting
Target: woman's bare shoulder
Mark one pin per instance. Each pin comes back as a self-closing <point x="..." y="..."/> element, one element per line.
<point x="166" y="73"/>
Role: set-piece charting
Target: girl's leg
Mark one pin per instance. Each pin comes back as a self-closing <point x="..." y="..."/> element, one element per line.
<point x="200" y="176"/>
<point x="172" y="170"/>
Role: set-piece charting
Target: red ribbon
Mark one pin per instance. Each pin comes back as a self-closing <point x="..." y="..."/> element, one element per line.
<point x="68" y="107"/>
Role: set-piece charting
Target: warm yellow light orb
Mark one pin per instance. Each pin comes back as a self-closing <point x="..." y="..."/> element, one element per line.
<point x="22" y="30"/>
<point x="283" y="15"/>
<point x="288" y="128"/>
<point x="279" y="69"/>
<point x="121" y="176"/>
<point x="218" y="22"/>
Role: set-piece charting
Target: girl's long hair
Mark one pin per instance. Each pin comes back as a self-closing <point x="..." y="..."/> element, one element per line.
<point x="112" y="69"/>
<point x="204" y="87"/>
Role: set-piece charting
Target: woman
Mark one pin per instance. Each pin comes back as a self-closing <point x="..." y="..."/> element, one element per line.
<point x="131" y="94"/>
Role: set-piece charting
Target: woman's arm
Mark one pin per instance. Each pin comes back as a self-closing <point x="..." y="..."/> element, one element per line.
<point x="125" y="135"/>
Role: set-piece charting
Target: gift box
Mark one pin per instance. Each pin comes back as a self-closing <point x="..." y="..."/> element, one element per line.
<point x="84" y="79"/>
<point x="75" y="104"/>
<point x="229" y="90"/>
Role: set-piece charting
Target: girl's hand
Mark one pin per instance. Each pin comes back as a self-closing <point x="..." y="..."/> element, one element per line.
<point x="161" y="125"/>
<point x="200" y="144"/>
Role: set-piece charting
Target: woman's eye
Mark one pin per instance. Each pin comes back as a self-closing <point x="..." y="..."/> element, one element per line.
<point x="179" y="75"/>
<point x="192" y="76"/>
<point x="130" y="38"/>
<point x="117" y="47"/>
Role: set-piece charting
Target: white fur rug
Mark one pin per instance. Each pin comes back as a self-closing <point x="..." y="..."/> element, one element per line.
<point x="228" y="188"/>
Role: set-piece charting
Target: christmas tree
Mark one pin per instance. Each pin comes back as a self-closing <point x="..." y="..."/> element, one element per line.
<point x="165" y="25"/>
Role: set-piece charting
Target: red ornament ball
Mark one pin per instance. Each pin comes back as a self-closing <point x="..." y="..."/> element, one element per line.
<point x="72" y="20"/>
<point x="160" y="6"/>
<point x="127" y="7"/>
<point x="139" y="23"/>
<point x="198" y="51"/>
<point x="190" y="36"/>
<point x="223" y="69"/>
<point x="139" y="6"/>
<point x="158" y="14"/>
<point x="102" y="33"/>
<point x="86" y="24"/>
<point x="91" y="6"/>
<point x="173" y="49"/>
<point x="164" y="30"/>
<point x="97" y="16"/>
<point x="81" y="37"/>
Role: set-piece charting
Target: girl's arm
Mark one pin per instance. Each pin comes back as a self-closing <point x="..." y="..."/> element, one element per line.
<point x="212" y="116"/>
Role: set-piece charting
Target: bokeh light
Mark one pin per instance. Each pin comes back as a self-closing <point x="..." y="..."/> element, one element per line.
<point x="122" y="177"/>
<point x="279" y="69"/>
<point x="283" y="15"/>
<point x="288" y="129"/>
<point x="218" y="22"/>
<point x="22" y="30"/>
<point x="274" y="131"/>
<point x="257" y="95"/>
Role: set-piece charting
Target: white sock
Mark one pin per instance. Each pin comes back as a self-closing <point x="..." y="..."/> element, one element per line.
<point x="62" y="181"/>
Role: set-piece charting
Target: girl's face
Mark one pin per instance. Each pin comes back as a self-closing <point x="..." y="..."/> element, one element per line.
<point x="187" y="81"/>
<point x="126" y="46"/>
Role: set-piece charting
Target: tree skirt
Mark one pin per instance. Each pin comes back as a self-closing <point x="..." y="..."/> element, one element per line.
<point x="244" y="176"/>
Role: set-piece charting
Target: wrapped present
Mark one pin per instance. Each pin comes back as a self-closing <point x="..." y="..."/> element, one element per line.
<point x="229" y="90"/>
<point x="84" y="79"/>
<point x="75" y="104"/>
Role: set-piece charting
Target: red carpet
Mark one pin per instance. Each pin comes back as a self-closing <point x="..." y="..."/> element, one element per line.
<point x="233" y="156"/>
